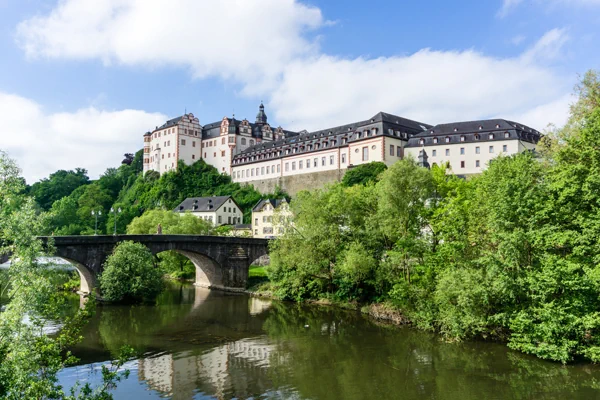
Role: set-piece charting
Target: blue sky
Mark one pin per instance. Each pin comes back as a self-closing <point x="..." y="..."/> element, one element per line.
<point x="81" y="80"/>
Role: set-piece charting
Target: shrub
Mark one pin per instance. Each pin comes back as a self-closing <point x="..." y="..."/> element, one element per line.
<point x="130" y="275"/>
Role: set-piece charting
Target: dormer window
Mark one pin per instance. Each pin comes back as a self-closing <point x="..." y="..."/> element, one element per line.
<point x="497" y="126"/>
<point x="447" y="139"/>
<point x="491" y="136"/>
<point x="435" y="140"/>
<point x="480" y="127"/>
<point x="476" y="136"/>
<point x="506" y="135"/>
<point x="455" y="129"/>
<point x="421" y="141"/>
<point x="462" y="138"/>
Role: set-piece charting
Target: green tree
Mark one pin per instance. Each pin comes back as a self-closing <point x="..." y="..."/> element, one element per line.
<point x="58" y="185"/>
<point x="29" y="359"/>
<point x="171" y="262"/>
<point x="130" y="275"/>
<point x="363" y="174"/>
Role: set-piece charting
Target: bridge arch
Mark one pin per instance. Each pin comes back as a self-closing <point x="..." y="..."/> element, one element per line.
<point x="221" y="262"/>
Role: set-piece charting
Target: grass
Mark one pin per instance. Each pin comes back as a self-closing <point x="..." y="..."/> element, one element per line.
<point x="257" y="276"/>
<point x="257" y="272"/>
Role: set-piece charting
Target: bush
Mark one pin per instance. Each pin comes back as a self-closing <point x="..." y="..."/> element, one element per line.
<point x="129" y="274"/>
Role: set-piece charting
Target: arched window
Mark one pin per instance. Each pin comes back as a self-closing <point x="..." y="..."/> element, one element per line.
<point x="506" y="135"/>
<point x="476" y="136"/>
<point x="421" y="141"/>
<point x="251" y="142"/>
<point x="491" y="136"/>
<point x="447" y="139"/>
<point x="462" y="138"/>
<point x="243" y="141"/>
<point x="435" y="140"/>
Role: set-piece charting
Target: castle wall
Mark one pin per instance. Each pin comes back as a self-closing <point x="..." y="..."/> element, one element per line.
<point x="292" y="184"/>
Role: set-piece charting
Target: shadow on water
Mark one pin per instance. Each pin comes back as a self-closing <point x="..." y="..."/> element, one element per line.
<point x="206" y="344"/>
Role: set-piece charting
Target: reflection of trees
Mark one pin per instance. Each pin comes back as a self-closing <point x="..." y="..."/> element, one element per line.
<point x="342" y="355"/>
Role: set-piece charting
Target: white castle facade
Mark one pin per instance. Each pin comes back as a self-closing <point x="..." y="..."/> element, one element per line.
<point x="257" y="154"/>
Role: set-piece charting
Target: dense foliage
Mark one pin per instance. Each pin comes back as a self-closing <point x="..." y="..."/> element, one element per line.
<point x="58" y="185"/>
<point x="127" y="189"/>
<point x="363" y="174"/>
<point x="130" y="275"/>
<point x="510" y="255"/>
<point x="30" y="359"/>
<point x="172" y="263"/>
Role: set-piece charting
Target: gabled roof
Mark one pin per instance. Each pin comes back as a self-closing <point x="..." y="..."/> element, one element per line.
<point x="274" y="202"/>
<point x="203" y="204"/>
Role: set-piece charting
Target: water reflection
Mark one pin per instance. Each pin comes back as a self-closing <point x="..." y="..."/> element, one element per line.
<point x="202" y="344"/>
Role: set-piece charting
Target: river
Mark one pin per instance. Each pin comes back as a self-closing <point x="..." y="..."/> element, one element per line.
<point x="205" y="344"/>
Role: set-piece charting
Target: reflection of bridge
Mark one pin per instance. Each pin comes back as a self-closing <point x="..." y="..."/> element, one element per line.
<point x="221" y="261"/>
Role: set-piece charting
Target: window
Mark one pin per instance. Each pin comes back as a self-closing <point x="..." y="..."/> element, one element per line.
<point x="308" y="163"/>
<point x="204" y="154"/>
<point x="392" y="149"/>
<point x="229" y="220"/>
<point x="343" y="158"/>
<point x="506" y="135"/>
<point x="193" y="156"/>
<point x="222" y="140"/>
<point x="447" y="152"/>
<point x="316" y="162"/>
<point x="168" y="155"/>
<point x="323" y="161"/>
<point x="300" y="164"/>
<point x="477" y="163"/>
<point x="399" y="152"/>
<point x="251" y="142"/>
<point x="264" y="218"/>
<point x="504" y="148"/>
<point x="268" y="169"/>
<point x="421" y="141"/>
<point x="462" y="151"/>
<point x="330" y="160"/>
<point x="462" y="138"/>
<point x="447" y="139"/>
<point x="491" y="136"/>
<point x="222" y="153"/>
<point x="287" y="167"/>
<point x="262" y="170"/>
<point x="293" y="165"/>
<point x="243" y="141"/>
<point x="278" y="168"/>
<point x="256" y="231"/>
<point x="255" y="221"/>
<point x="214" y="154"/>
<point x="193" y="143"/>
<point x="491" y="149"/>
<point x="433" y="153"/>
<point x="365" y="154"/>
<point x="219" y="219"/>
<point x="462" y="164"/>
<point x="435" y="140"/>
<point x="183" y="142"/>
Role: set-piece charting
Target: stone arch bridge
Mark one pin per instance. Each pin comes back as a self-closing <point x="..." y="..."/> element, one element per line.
<point x="222" y="262"/>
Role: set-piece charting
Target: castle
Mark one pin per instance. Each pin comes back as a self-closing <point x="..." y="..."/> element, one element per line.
<point x="256" y="154"/>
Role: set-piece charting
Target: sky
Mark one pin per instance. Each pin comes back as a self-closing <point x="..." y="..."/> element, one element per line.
<point x="82" y="80"/>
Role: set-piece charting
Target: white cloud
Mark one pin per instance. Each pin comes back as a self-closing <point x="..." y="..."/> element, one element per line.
<point x="431" y="86"/>
<point x="247" y="40"/>
<point x="264" y="46"/>
<point x="89" y="138"/>
<point x="518" y="39"/>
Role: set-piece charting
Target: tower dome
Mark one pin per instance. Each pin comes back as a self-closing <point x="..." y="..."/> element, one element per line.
<point x="261" y="117"/>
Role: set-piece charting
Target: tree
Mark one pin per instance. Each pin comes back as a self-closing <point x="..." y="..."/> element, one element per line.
<point x="363" y="174"/>
<point x="58" y="185"/>
<point x="177" y="265"/>
<point x="29" y="359"/>
<point x="129" y="274"/>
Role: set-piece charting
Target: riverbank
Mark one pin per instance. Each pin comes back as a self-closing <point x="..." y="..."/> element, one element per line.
<point x="260" y="286"/>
